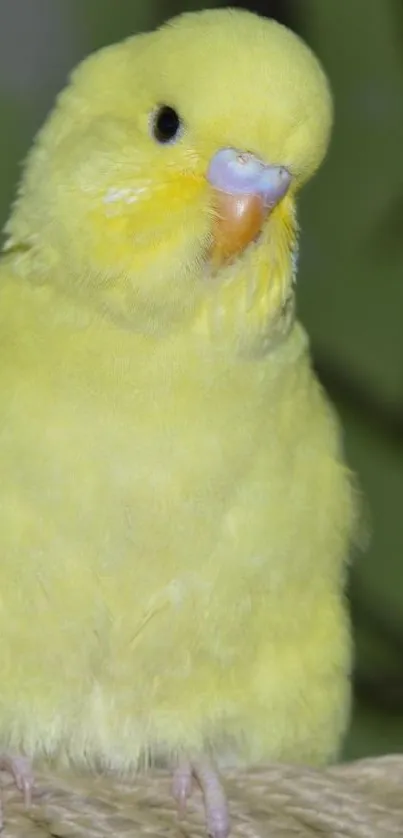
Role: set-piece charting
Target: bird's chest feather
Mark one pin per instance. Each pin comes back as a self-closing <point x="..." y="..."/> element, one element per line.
<point x="132" y="454"/>
<point x="146" y="497"/>
<point x="156" y="462"/>
<point x="143" y="456"/>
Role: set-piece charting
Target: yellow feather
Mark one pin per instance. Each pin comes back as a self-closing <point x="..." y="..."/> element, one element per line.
<point x="175" y="512"/>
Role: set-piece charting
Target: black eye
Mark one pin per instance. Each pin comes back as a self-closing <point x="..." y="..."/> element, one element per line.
<point x="166" y="124"/>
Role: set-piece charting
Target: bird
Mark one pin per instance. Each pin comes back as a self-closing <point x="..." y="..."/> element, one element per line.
<point x="176" y="510"/>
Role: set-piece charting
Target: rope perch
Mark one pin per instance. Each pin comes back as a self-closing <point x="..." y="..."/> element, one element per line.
<point x="363" y="799"/>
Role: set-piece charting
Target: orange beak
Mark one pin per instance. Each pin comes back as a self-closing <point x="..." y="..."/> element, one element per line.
<point x="245" y="191"/>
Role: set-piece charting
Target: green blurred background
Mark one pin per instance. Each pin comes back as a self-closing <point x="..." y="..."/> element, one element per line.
<point x="351" y="276"/>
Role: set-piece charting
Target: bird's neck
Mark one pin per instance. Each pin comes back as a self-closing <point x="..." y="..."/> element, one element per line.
<point x="250" y="306"/>
<point x="244" y="311"/>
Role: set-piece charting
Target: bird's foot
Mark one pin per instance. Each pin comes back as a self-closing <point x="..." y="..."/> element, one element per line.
<point x="182" y="785"/>
<point x="21" y="771"/>
<point x="215" y="801"/>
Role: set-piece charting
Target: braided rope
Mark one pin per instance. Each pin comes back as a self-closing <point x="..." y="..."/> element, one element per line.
<point x="355" y="800"/>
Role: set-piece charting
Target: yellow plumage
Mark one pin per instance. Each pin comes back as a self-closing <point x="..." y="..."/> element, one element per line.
<point x="175" y="513"/>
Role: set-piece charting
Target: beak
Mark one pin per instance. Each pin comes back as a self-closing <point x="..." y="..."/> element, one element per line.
<point x="245" y="191"/>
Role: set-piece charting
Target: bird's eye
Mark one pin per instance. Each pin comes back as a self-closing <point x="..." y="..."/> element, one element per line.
<point x="166" y="124"/>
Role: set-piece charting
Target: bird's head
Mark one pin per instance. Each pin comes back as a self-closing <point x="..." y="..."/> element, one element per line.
<point x="162" y="188"/>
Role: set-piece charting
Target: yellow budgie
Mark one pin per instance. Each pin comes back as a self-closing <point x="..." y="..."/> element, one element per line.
<point x="175" y="511"/>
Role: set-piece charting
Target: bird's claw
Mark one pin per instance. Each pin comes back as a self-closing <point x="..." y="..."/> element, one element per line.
<point x="20" y="768"/>
<point x="21" y="771"/>
<point x="182" y="786"/>
<point x="215" y="803"/>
